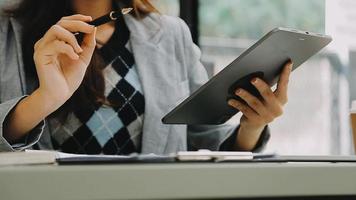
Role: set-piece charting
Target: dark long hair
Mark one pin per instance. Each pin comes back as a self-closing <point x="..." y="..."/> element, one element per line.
<point x="36" y="17"/>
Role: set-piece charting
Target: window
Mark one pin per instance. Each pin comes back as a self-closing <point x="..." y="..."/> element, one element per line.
<point x="316" y="117"/>
<point x="167" y="7"/>
<point x="253" y="18"/>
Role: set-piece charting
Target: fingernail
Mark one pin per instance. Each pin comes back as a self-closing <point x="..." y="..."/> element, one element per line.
<point x="254" y="80"/>
<point x="290" y="66"/>
<point x="238" y="92"/>
<point x="231" y="102"/>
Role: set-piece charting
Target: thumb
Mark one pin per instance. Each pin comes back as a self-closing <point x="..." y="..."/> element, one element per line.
<point x="88" y="46"/>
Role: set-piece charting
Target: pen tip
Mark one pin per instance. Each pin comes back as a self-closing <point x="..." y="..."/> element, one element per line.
<point x="125" y="11"/>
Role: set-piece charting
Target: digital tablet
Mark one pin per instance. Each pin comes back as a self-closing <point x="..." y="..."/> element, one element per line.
<point x="265" y="59"/>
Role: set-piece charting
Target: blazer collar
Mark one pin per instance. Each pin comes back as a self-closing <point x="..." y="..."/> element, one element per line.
<point x="148" y="29"/>
<point x="151" y="65"/>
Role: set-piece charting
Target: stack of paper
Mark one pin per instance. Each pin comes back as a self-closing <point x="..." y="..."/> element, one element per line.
<point x="217" y="156"/>
<point x="27" y="158"/>
<point x="32" y="157"/>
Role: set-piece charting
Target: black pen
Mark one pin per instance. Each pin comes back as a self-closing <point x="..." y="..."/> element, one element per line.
<point x="112" y="16"/>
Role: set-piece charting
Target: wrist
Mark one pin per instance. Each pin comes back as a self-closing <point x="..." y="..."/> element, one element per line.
<point x="47" y="103"/>
<point x="247" y="136"/>
<point x="252" y="128"/>
<point x="28" y="113"/>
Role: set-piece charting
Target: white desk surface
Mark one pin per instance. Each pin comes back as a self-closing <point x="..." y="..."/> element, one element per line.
<point x="177" y="181"/>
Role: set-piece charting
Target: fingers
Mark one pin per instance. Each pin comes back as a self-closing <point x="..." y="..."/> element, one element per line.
<point x="65" y="28"/>
<point x="264" y="111"/>
<point x="63" y="48"/>
<point x="60" y="47"/>
<point x="270" y="101"/>
<point x="59" y="39"/>
<point x="52" y="50"/>
<point x="79" y="17"/>
<point x="88" y="46"/>
<point x="252" y="101"/>
<point x="247" y="111"/>
<point x="57" y="32"/>
<point x="282" y="86"/>
<point x="265" y="90"/>
<point x="76" y="26"/>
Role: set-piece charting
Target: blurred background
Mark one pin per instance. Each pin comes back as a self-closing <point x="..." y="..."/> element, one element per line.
<point x="316" y="119"/>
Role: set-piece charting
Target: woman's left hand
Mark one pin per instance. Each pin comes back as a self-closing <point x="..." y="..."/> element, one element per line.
<point x="260" y="112"/>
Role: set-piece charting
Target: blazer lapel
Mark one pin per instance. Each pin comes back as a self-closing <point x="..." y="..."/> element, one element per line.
<point x="13" y="71"/>
<point x="17" y="32"/>
<point x="152" y="70"/>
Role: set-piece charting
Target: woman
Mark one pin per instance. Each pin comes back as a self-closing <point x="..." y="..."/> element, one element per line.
<point x="108" y="94"/>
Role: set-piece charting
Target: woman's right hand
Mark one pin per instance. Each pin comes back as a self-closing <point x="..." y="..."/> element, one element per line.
<point x="60" y="61"/>
<point x="61" y="65"/>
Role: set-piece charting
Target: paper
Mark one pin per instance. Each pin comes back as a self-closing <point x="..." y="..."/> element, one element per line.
<point x="207" y="155"/>
<point x="353" y="107"/>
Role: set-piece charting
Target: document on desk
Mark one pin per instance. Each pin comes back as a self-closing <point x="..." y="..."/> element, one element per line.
<point x="27" y="158"/>
<point x="182" y="156"/>
<point x="37" y="157"/>
<point x="65" y="158"/>
<point x="308" y="158"/>
<point x="31" y="157"/>
<point x="207" y="155"/>
<point x="221" y="156"/>
<point x="195" y="156"/>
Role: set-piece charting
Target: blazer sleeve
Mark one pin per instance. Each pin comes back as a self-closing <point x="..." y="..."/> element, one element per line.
<point x="212" y="137"/>
<point x="26" y="142"/>
<point x="6" y="106"/>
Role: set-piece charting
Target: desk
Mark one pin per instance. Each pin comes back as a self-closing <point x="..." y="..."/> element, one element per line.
<point x="177" y="181"/>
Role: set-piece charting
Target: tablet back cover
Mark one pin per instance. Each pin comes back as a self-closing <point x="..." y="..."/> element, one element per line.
<point x="265" y="59"/>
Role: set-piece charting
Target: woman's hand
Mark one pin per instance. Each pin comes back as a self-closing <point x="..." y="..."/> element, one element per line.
<point x="60" y="61"/>
<point x="260" y="112"/>
<point x="61" y="64"/>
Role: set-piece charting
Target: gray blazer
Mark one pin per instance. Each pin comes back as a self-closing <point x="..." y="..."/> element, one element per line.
<point x="169" y="67"/>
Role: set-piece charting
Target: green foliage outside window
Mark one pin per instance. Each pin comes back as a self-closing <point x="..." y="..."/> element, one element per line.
<point x="252" y="18"/>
